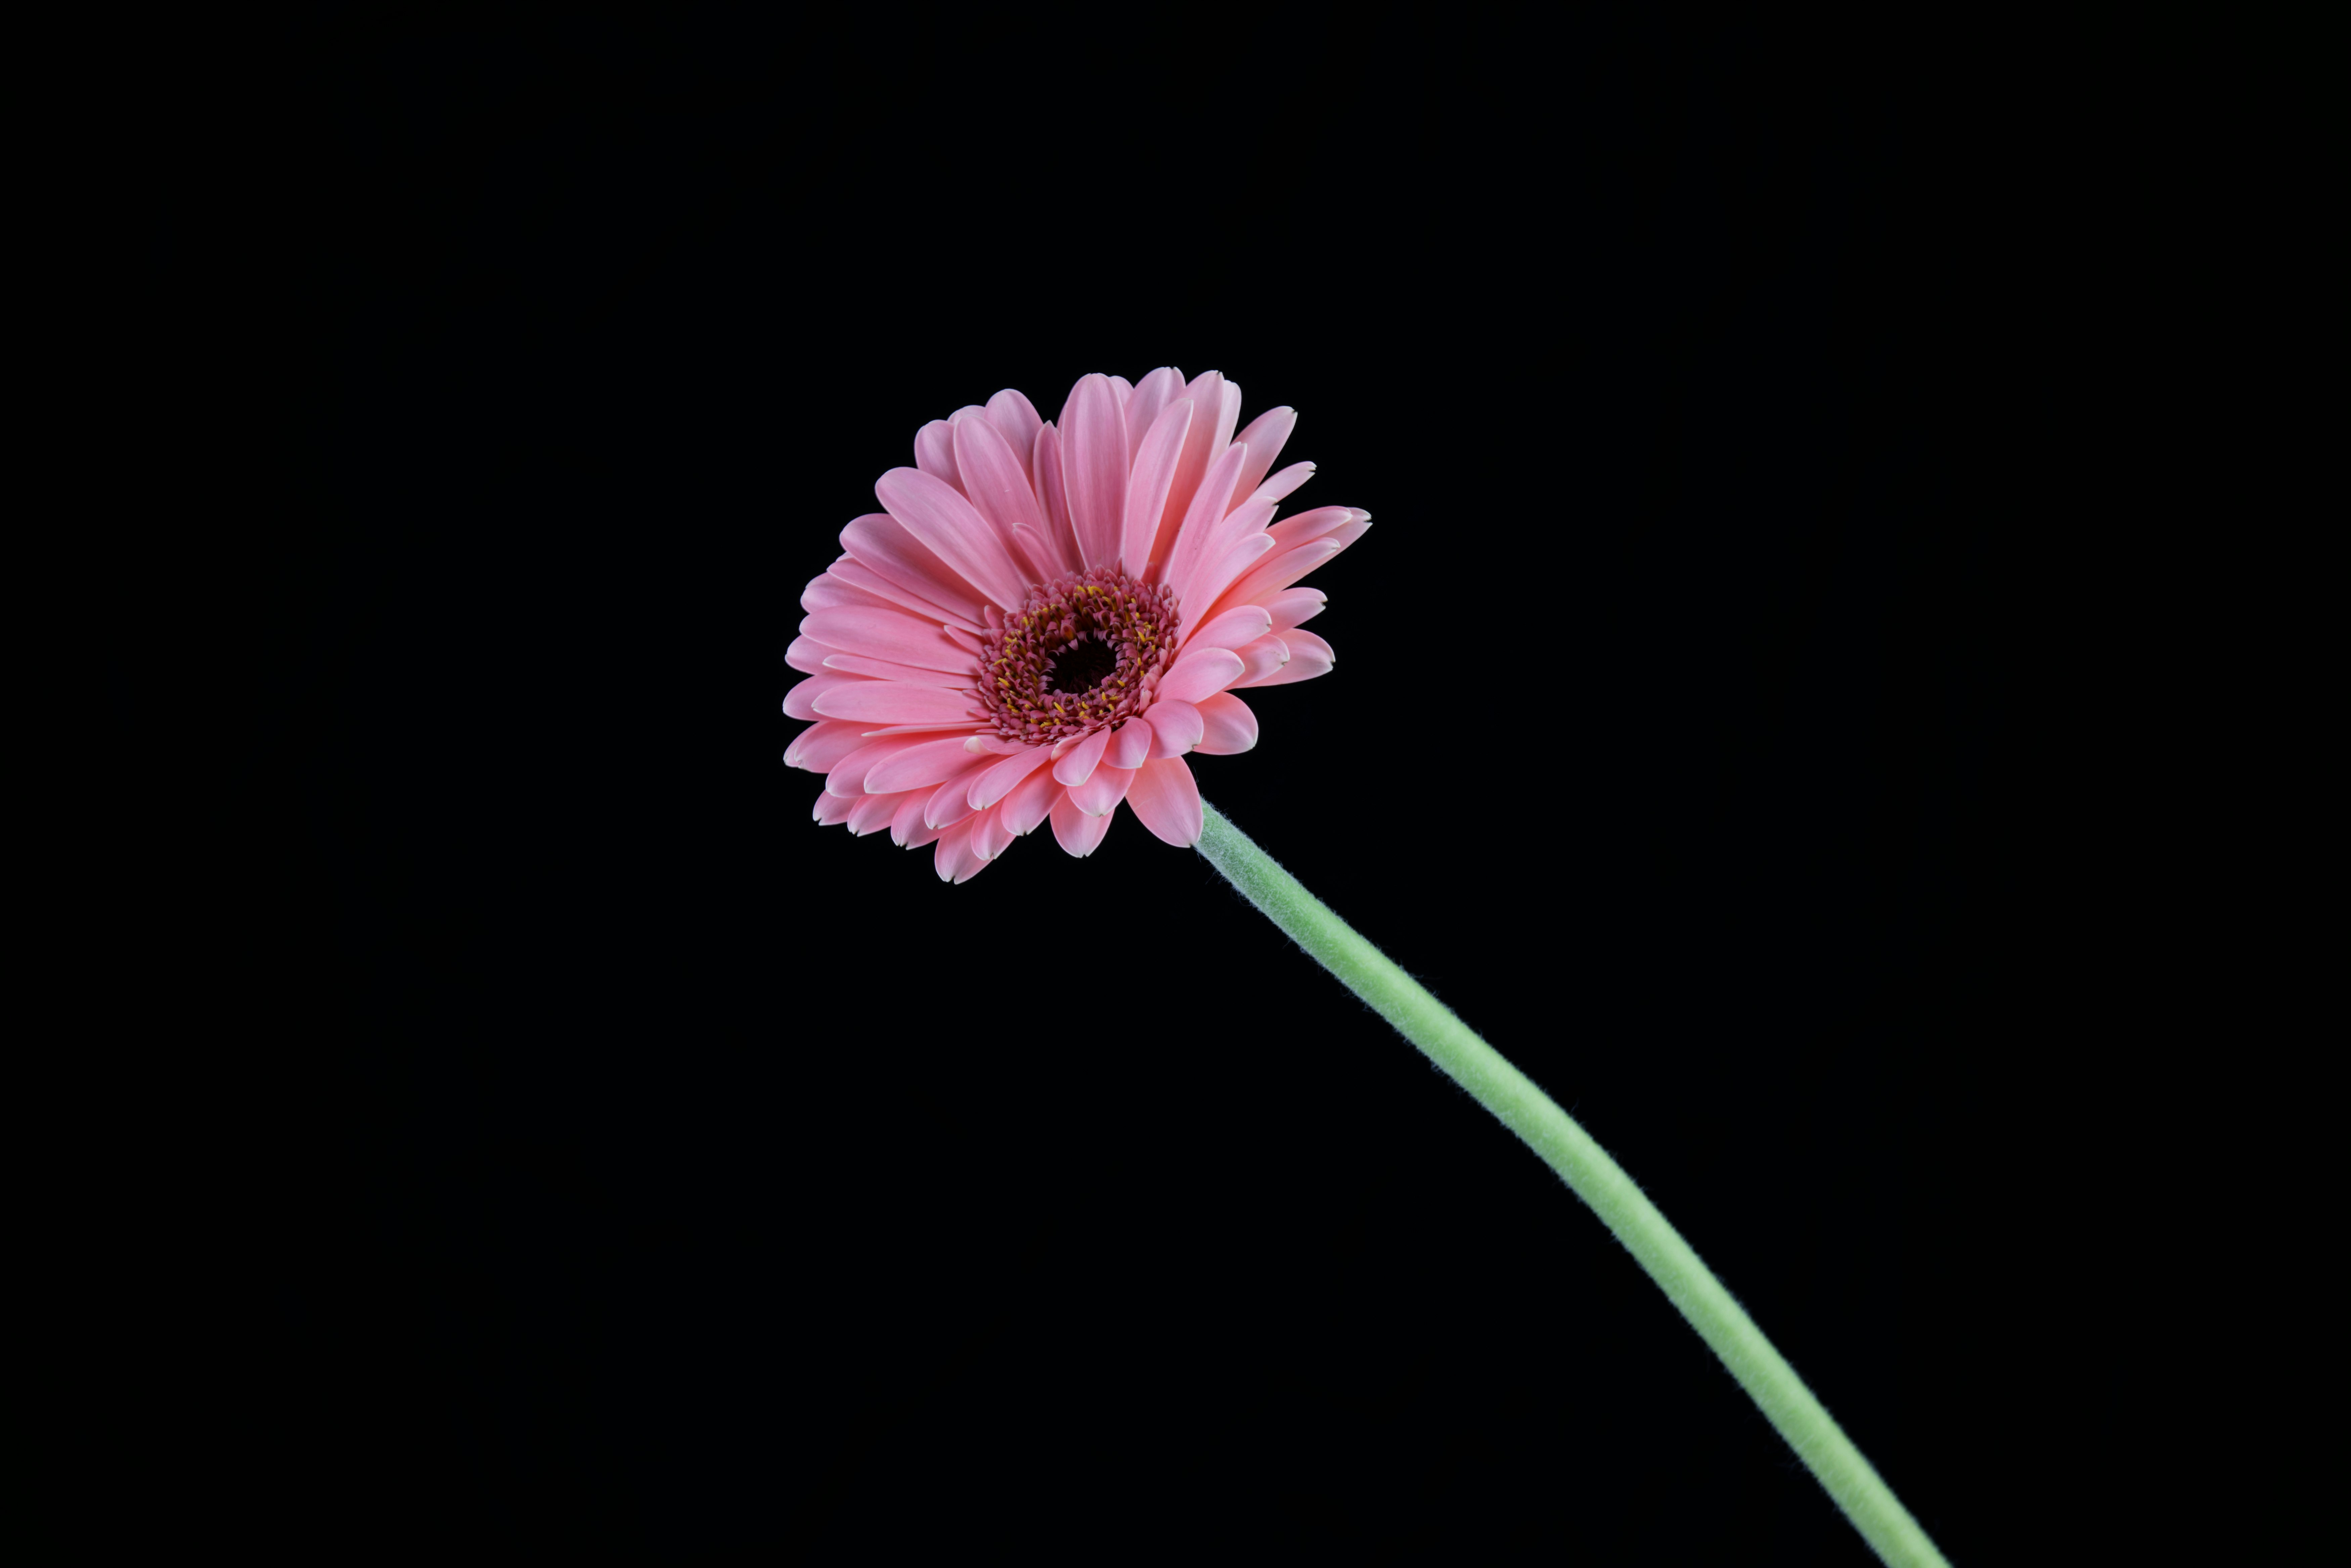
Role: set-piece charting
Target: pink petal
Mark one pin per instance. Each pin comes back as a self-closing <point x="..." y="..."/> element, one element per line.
<point x="1031" y="799"/>
<point x="1079" y="760"/>
<point x="1147" y="486"/>
<point x="956" y="859"/>
<point x="908" y="815"/>
<point x="883" y="670"/>
<point x="1218" y="402"/>
<point x="888" y="634"/>
<point x="1053" y="494"/>
<point x="1015" y="418"/>
<point x="1294" y="607"/>
<point x="995" y="479"/>
<point x="993" y="784"/>
<point x="884" y="547"/>
<point x="1153" y="394"/>
<point x="1277" y="572"/>
<point x="960" y="726"/>
<point x="1036" y="554"/>
<point x="1283" y="484"/>
<point x="888" y="702"/>
<point x="847" y="775"/>
<point x="1235" y="628"/>
<point x="907" y="828"/>
<point x="1101" y="791"/>
<point x="1206" y="597"/>
<point x="924" y="763"/>
<point x="1167" y="799"/>
<point x="935" y="513"/>
<point x="1129" y="745"/>
<point x="883" y="732"/>
<point x="989" y="836"/>
<point x="827" y="591"/>
<point x="1199" y="674"/>
<point x="875" y="589"/>
<point x="1264" y="437"/>
<point x="1260" y="660"/>
<point x="872" y="813"/>
<point x="1175" y="727"/>
<point x="934" y="451"/>
<point x="821" y="745"/>
<point x="950" y="801"/>
<point x="1308" y="656"/>
<point x="806" y="654"/>
<point x="1249" y="518"/>
<point x="1199" y="521"/>
<point x="1230" y="727"/>
<point x="1313" y="524"/>
<point x="832" y="810"/>
<point x="800" y="701"/>
<point x="1078" y="832"/>
<point x="1093" y="466"/>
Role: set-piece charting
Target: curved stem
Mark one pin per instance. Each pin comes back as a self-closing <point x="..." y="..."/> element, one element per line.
<point x="1585" y="1167"/>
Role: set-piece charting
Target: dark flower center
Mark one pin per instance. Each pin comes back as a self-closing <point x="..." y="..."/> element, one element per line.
<point x="1078" y="667"/>
<point x="1080" y="653"/>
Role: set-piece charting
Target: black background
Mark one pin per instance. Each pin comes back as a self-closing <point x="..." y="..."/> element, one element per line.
<point x="648" y="1165"/>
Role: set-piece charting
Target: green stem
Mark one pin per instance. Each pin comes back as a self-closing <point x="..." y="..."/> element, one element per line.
<point x="1585" y="1167"/>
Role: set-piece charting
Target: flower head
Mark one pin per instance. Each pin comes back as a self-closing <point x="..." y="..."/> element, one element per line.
<point x="1043" y="619"/>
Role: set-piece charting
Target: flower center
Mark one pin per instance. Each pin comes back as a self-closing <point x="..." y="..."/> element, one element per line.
<point x="1083" y="651"/>
<point x="1079" y="667"/>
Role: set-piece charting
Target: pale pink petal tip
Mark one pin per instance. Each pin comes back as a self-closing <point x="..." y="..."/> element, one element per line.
<point x="1046" y="618"/>
<point x="956" y="859"/>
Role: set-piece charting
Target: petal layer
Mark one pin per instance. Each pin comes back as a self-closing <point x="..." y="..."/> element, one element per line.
<point x="1167" y="799"/>
<point x="1260" y="660"/>
<point x="925" y="762"/>
<point x="996" y="478"/>
<point x="1146" y="487"/>
<point x="1237" y="628"/>
<point x="1199" y="673"/>
<point x="1308" y="656"/>
<point x="1229" y="727"/>
<point x="802" y="700"/>
<point x="1094" y="468"/>
<point x="887" y="634"/>
<point x="935" y="513"/>
<point x="1079" y="833"/>
<point x="1031" y="800"/>
<point x="887" y="702"/>
<point x="998" y="781"/>
<point x="1079" y="760"/>
<point x="1130" y="746"/>
<point x="1102" y="791"/>
<point x="854" y="576"/>
<point x="1265" y="437"/>
<point x="1175" y="727"/>
<point x="822" y="744"/>
<point x="1294" y="607"/>
<point x="884" y="545"/>
<point x="956" y="859"/>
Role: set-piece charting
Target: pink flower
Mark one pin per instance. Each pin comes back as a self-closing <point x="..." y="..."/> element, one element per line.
<point x="1042" y="621"/>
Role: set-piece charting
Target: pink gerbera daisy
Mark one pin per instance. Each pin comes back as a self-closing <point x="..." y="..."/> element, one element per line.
<point x="1042" y="621"/>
